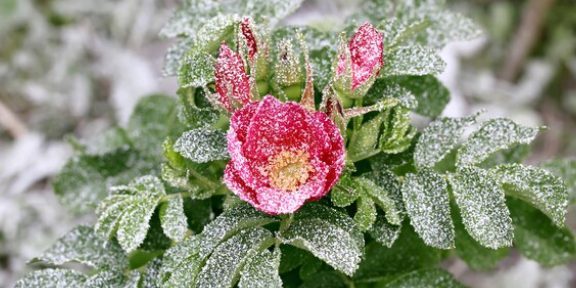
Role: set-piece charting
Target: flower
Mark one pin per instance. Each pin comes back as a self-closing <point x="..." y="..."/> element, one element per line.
<point x="232" y="82"/>
<point x="363" y="57"/>
<point x="282" y="155"/>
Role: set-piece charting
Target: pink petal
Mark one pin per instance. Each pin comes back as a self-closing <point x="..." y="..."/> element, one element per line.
<point x="232" y="82"/>
<point x="249" y="37"/>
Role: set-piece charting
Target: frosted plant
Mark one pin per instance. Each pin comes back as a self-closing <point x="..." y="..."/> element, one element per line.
<point x="291" y="160"/>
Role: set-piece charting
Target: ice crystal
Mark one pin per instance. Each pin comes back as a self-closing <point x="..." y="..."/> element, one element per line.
<point x="173" y="219"/>
<point x="566" y="170"/>
<point x="438" y="139"/>
<point x="428" y="206"/>
<point x="262" y="271"/>
<point x="384" y="232"/>
<point x="113" y="279"/>
<point x="537" y="187"/>
<point x="57" y="278"/>
<point x="412" y="60"/>
<point x="482" y="206"/>
<point x="133" y="226"/>
<point x="202" y="145"/>
<point x="494" y="135"/>
<point x="84" y="246"/>
<point x="426" y="278"/>
<point x="365" y="213"/>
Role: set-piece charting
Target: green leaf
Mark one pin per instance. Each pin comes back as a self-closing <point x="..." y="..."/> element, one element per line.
<point x="494" y="135"/>
<point x="111" y="140"/>
<point x="365" y="213"/>
<point x="57" y="278"/>
<point x="566" y="170"/>
<point x="154" y="118"/>
<point x="84" y="246"/>
<point x="113" y="279"/>
<point x="202" y="145"/>
<point x="261" y="271"/>
<point x="384" y="232"/>
<point x="397" y="131"/>
<point x="345" y="192"/>
<point x="365" y="140"/>
<point x="425" y="278"/>
<point x="538" y="238"/>
<point x="329" y="235"/>
<point x="428" y="206"/>
<point x="225" y="263"/>
<point x="412" y="59"/>
<point x="475" y="255"/>
<point x="197" y="69"/>
<point x="438" y="139"/>
<point x="537" y="187"/>
<point x="133" y="226"/>
<point x="384" y="197"/>
<point x="482" y="206"/>
<point x="173" y="219"/>
<point x="324" y="279"/>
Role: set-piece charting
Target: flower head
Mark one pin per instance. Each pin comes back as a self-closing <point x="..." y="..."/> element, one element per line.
<point x="232" y="82"/>
<point x="282" y="155"/>
<point x="363" y="57"/>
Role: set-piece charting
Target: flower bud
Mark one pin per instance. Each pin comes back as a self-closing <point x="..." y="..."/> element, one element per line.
<point x="289" y="71"/>
<point x="232" y="82"/>
<point x="255" y="52"/>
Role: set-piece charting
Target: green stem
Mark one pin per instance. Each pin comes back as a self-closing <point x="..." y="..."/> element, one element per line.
<point x="349" y="283"/>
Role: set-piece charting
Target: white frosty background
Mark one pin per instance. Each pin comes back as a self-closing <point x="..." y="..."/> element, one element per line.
<point x="83" y="77"/>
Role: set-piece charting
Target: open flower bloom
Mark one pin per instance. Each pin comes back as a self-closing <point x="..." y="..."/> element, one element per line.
<point x="232" y="82"/>
<point x="282" y="155"/>
<point x="364" y="57"/>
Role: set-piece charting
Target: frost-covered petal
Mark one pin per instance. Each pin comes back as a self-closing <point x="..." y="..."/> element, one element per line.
<point x="232" y="82"/>
<point x="249" y="37"/>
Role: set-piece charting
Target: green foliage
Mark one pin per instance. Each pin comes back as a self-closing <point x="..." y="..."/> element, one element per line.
<point x="428" y="278"/>
<point x="566" y="170"/>
<point x="202" y="145"/>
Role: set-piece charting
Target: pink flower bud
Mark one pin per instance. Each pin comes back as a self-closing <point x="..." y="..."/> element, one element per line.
<point x="249" y="38"/>
<point x="232" y="82"/>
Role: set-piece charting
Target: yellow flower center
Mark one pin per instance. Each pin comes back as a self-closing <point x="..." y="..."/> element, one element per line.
<point x="288" y="170"/>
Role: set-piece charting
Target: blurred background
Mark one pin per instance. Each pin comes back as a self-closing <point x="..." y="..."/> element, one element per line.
<point x="77" y="67"/>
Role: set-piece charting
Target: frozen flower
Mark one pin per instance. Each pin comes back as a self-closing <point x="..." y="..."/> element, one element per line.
<point x="232" y="82"/>
<point x="282" y="155"/>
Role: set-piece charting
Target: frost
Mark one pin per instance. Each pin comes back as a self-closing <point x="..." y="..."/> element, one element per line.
<point x="345" y="192"/>
<point x="197" y="69"/>
<point x="329" y="235"/>
<point x="384" y="192"/>
<point x="428" y="206"/>
<point x="425" y="278"/>
<point x="412" y="60"/>
<point x="56" y="278"/>
<point x="82" y="245"/>
<point x="537" y="187"/>
<point x="384" y="232"/>
<point x="438" y="139"/>
<point x="566" y="170"/>
<point x="128" y="219"/>
<point x="397" y="131"/>
<point x="262" y="271"/>
<point x="537" y="238"/>
<point x="202" y="145"/>
<point x="224" y="264"/>
<point x="494" y="135"/>
<point x="175" y="56"/>
<point x="482" y="206"/>
<point x="173" y="219"/>
<point x="365" y="213"/>
<point x="113" y="279"/>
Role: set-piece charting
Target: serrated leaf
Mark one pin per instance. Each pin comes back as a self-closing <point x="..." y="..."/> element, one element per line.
<point x="428" y="206"/>
<point x="494" y="135"/>
<point x="134" y="224"/>
<point x="365" y="213"/>
<point x="412" y="59"/>
<point x="345" y="192"/>
<point x="363" y="143"/>
<point x="482" y="206"/>
<point x="202" y="145"/>
<point x="384" y="197"/>
<point x="538" y="238"/>
<point x="566" y="170"/>
<point x="438" y="139"/>
<point x="173" y="219"/>
<point x="425" y="278"/>
<point x="197" y="69"/>
<point x="537" y="187"/>
<point x="261" y="271"/>
<point x="225" y="263"/>
<point x="82" y="245"/>
<point x="113" y="279"/>
<point x="329" y="235"/>
<point x="57" y="278"/>
<point x="384" y="232"/>
<point x="397" y="131"/>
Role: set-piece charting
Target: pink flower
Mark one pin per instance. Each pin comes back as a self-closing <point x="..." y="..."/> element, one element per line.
<point x="282" y="155"/>
<point x="232" y="82"/>
<point x="366" y="55"/>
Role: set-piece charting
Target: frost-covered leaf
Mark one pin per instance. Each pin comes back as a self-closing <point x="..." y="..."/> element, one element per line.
<point x="197" y="69"/>
<point x="202" y="145"/>
<point x="397" y="131"/>
<point x="482" y="206"/>
<point x="57" y="278"/>
<point x="175" y="56"/>
<point x="364" y="142"/>
<point x="365" y="213"/>
<point x="111" y="140"/>
<point x="329" y="235"/>
<point x="262" y="271"/>
<point x="494" y="135"/>
<point x="412" y="59"/>
<point x="154" y="118"/>
<point x="428" y="206"/>
<point x="384" y="232"/>
<point x="475" y="255"/>
<point x="425" y="278"/>
<point x="113" y="279"/>
<point x="566" y="170"/>
<point x="345" y="192"/>
<point x="82" y="245"/>
<point x="384" y="196"/>
<point x="133" y="226"/>
<point x="438" y="139"/>
<point x="537" y="187"/>
<point x="173" y="219"/>
<point x="224" y="265"/>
